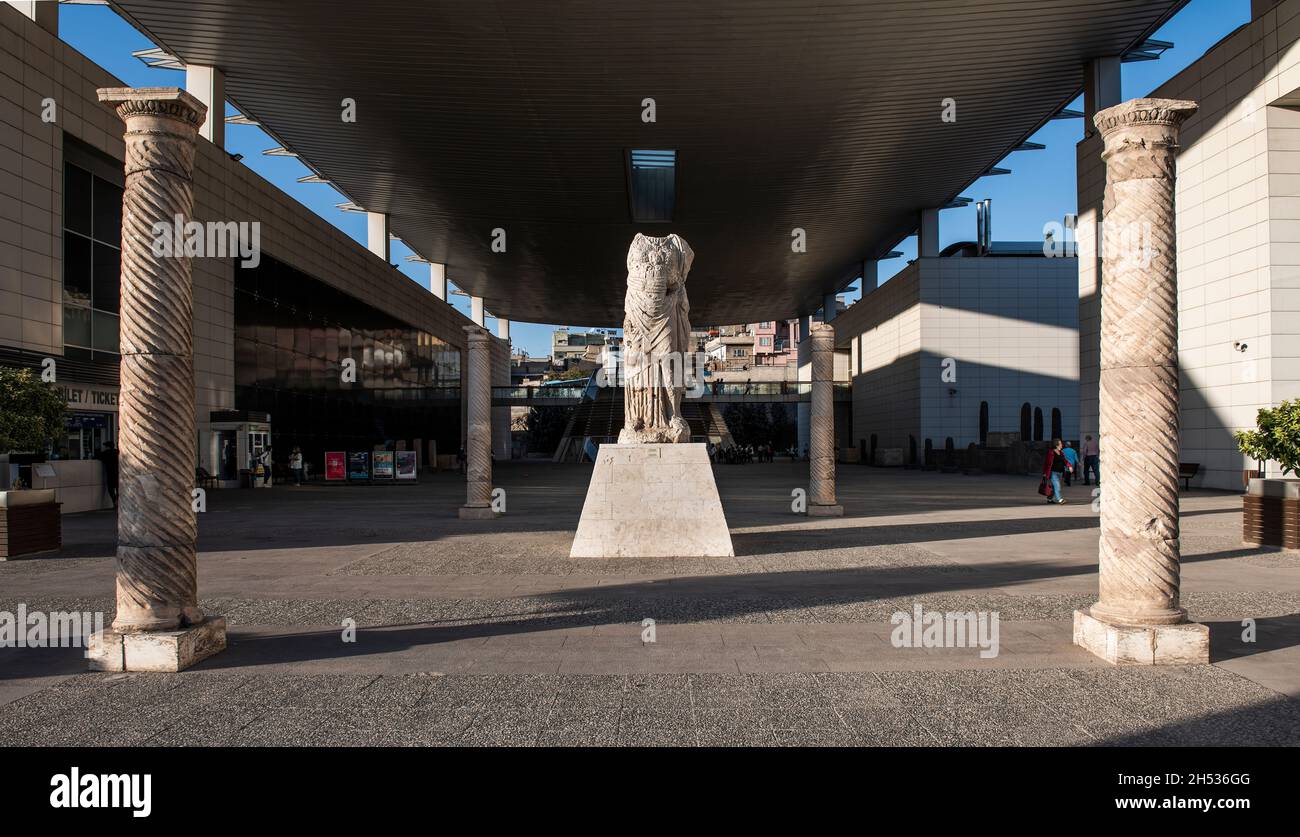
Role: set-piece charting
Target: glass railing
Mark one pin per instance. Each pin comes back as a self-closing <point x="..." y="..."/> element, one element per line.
<point x="570" y="392"/>
<point x="733" y="388"/>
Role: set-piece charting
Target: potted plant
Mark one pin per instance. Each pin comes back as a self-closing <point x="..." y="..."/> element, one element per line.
<point x="31" y="414"/>
<point x="1271" y="507"/>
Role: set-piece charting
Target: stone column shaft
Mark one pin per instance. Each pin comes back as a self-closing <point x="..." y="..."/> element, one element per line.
<point x="1139" y="364"/>
<point x="478" y="441"/>
<point x="1139" y="549"/>
<point x="821" y="454"/>
<point x="157" y="586"/>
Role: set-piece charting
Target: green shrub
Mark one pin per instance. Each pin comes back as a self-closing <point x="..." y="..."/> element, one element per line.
<point x="31" y="411"/>
<point x="1276" y="437"/>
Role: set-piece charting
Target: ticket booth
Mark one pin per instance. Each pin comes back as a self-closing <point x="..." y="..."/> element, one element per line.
<point x="237" y="449"/>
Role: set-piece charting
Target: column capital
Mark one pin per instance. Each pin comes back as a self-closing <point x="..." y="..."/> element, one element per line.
<point x="161" y="102"/>
<point x="1137" y="112"/>
<point x="477" y="333"/>
<point x="1141" y="136"/>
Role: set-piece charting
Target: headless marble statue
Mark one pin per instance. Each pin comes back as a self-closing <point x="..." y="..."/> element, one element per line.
<point x="656" y="337"/>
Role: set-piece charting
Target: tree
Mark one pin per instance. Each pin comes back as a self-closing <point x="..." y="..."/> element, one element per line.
<point x="1276" y="437"/>
<point x="31" y="411"/>
<point x="759" y="424"/>
<point x="573" y="373"/>
<point x="545" y="426"/>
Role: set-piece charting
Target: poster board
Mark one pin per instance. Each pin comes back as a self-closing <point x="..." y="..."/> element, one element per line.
<point x="359" y="466"/>
<point x="335" y="466"/>
<point x="408" y="465"/>
<point x="383" y="465"/>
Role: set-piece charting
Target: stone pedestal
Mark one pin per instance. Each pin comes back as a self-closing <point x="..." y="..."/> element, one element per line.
<point x="1138" y="618"/>
<point x="1187" y="643"/>
<point x="652" y="501"/>
<point x="157" y="650"/>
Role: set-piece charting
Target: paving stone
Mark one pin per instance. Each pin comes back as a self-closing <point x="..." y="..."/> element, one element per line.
<point x="477" y="621"/>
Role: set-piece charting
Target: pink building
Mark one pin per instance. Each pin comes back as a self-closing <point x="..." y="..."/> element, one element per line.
<point x="774" y="342"/>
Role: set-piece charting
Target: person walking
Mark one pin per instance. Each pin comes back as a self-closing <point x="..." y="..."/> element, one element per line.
<point x="295" y="465"/>
<point x="462" y="460"/>
<point x="1053" y="468"/>
<point x="1071" y="463"/>
<point x="108" y="456"/>
<point x="1091" y="455"/>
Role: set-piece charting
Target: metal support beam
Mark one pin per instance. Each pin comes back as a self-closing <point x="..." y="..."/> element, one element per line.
<point x="1101" y="88"/>
<point x="44" y="12"/>
<point x="927" y="243"/>
<point x="870" y="275"/>
<point x="208" y="85"/>
<point x="829" y="308"/>
<point x="377" y="234"/>
<point x="438" y="280"/>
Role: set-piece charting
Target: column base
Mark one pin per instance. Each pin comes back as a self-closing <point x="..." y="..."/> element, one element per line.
<point x="157" y="650"/>
<point x="815" y="510"/>
<point x="478" y="513"/>
<point x="1187" y="643"/>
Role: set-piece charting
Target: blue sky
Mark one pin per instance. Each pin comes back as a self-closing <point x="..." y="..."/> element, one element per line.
<point x="1040" y="188"/>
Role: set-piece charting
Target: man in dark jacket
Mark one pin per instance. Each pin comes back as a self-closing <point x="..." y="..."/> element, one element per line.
<point x="108" y="456"/>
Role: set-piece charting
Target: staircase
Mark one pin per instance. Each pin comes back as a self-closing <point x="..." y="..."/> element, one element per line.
<point x="718" y="431"/>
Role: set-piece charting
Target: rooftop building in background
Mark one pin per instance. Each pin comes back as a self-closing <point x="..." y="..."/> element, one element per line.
<point x="569" y="345"/>
<point x="961" y="348"/>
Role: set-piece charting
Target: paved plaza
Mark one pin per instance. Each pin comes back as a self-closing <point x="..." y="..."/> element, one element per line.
<point x="486" y="632"/>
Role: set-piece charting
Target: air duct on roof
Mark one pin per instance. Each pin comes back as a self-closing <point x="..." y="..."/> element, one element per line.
<point x="988" y="225"/>
<point x="652" y="184"/>
<point x="983" y="226"/>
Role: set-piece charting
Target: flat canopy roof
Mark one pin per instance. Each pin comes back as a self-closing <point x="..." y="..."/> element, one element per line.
<point x="520" y="115"/>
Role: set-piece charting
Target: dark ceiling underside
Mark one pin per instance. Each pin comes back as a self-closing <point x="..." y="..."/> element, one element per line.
<point x="517" y="114"/>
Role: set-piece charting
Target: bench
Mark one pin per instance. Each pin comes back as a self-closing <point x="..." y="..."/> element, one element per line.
<point x="204" y="479"/>
<point x="1187" y="470"/>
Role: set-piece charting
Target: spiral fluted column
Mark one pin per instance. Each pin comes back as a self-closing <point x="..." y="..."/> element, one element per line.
<point x="1139" y="552"/>
<point x="478" y="442"/>
<point x="157" y="587"/>
<point x="821" y="454"/>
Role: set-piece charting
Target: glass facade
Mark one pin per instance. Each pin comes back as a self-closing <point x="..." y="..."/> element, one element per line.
<point x="92" y="264"/>
<point x="91" y="300"/>
<point x="293" y="338"/>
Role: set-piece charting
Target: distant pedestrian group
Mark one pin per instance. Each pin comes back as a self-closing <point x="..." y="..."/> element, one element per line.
<point x="1056" y="467"/>
<point x="1062" y="465"/>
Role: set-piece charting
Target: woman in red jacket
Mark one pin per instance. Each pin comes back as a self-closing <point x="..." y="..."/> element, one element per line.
<point x="1053" y="468"/>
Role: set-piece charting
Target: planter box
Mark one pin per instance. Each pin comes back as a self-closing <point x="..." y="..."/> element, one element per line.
<point x="1270" y="513"/>
<point x="30" y="522"/>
